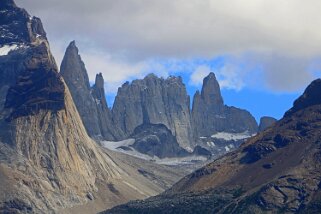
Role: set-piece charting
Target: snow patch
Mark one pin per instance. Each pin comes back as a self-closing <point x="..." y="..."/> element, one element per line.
<point x="231" y="136"/>
<point x="227" y="148"/>
<point x="4" y="50"/>
<point x="97" y="101"/>
<point x="113" y="145"/>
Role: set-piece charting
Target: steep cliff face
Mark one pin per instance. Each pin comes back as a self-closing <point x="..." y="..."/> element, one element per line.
<point x="109" y="130"/>
<point x="277" y="171"/>
<point x="90" y="102"/>
<point x="157" y="140"/>
<point x="210" y="115"/>
<point x="157" y="101"/>
<point x="47" y="161"/>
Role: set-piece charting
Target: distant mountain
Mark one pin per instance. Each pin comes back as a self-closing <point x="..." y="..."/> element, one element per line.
<point x="277" y="171"/>
<point x="157" y="101"/>
<point x="217" y="127"/>
<point x="90" y="101"/>
<point x="48" y="163"/>
<point x="154" y="100"/>
<point x="210" y="115"/>
<point x="266" y="122"/>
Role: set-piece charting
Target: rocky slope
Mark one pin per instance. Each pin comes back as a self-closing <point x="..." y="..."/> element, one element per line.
<point x="266" y="122"/>
<point x="210" y="115"/>
<point x="90" y="101"/>
<point x="157" y="101"/>
<point x="277" y="171"/>
<point x="48" y="163"/>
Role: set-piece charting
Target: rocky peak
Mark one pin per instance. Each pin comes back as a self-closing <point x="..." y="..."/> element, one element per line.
<point x="73" y="68"/>
<point x="99" y="81"/>
<point x="99" y="90"/>
<point x="211" y="92"/>
<point x="266" y="122"/>
<point x="151" y="76"/>
<point x="90" y="102"/>
<point x="310" y="97"/>
<point x="17" y="26"/>
<point x="32" y="83"/>
<point x="210" y="115"/>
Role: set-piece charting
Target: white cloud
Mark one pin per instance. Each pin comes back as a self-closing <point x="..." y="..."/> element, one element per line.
<point x="129" y="34"/>
<point x="229" y="76"/>
<point x="199" y="74"/>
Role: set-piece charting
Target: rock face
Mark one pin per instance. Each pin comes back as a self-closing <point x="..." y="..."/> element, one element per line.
<point x="266" y="122"/>
<point x="157" y="101"/>
<point x="210" y="115"/>
<point x="310" y="97"/>
<point x="90" y="102"/>
<point x="157" y="140"/>
<point x="47" y="161"/>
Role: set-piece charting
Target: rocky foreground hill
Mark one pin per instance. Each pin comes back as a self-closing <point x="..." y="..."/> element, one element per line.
<point x="48" y="163"/>
<point x="277" y="171"/>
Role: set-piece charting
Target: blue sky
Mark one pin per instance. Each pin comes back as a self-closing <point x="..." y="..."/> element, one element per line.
<point x="264" y="53"/>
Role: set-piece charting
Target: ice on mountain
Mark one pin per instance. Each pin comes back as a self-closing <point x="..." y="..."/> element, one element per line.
<point x="231" y="136"/>
<point x="4" y="50"/>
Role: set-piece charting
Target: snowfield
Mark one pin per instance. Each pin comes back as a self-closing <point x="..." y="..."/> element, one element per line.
<point x="231" y="136"/>
<point x="5" y="50"/>
<point x="115" y="146"/>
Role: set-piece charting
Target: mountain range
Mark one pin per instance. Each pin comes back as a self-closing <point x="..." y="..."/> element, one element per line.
<point x="64" y="150"/>
<point x="153" y="100"/>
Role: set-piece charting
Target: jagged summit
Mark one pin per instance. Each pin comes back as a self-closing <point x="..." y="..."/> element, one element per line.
<point x="154" y="100"/>
<point x="33" y="84"/>
<point x="210" y="115"/>
<point x="73" y="68"/>
<point x="99" y="81"/>
<point x="90" y="101"/>
<point x="98" y="91"/>
<point x="211" y="92"/>
<point x="151" y="76"/>
<point x="310" y="97"/>
<point x="17" y="26"/>
<point x="266" y="122"/>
